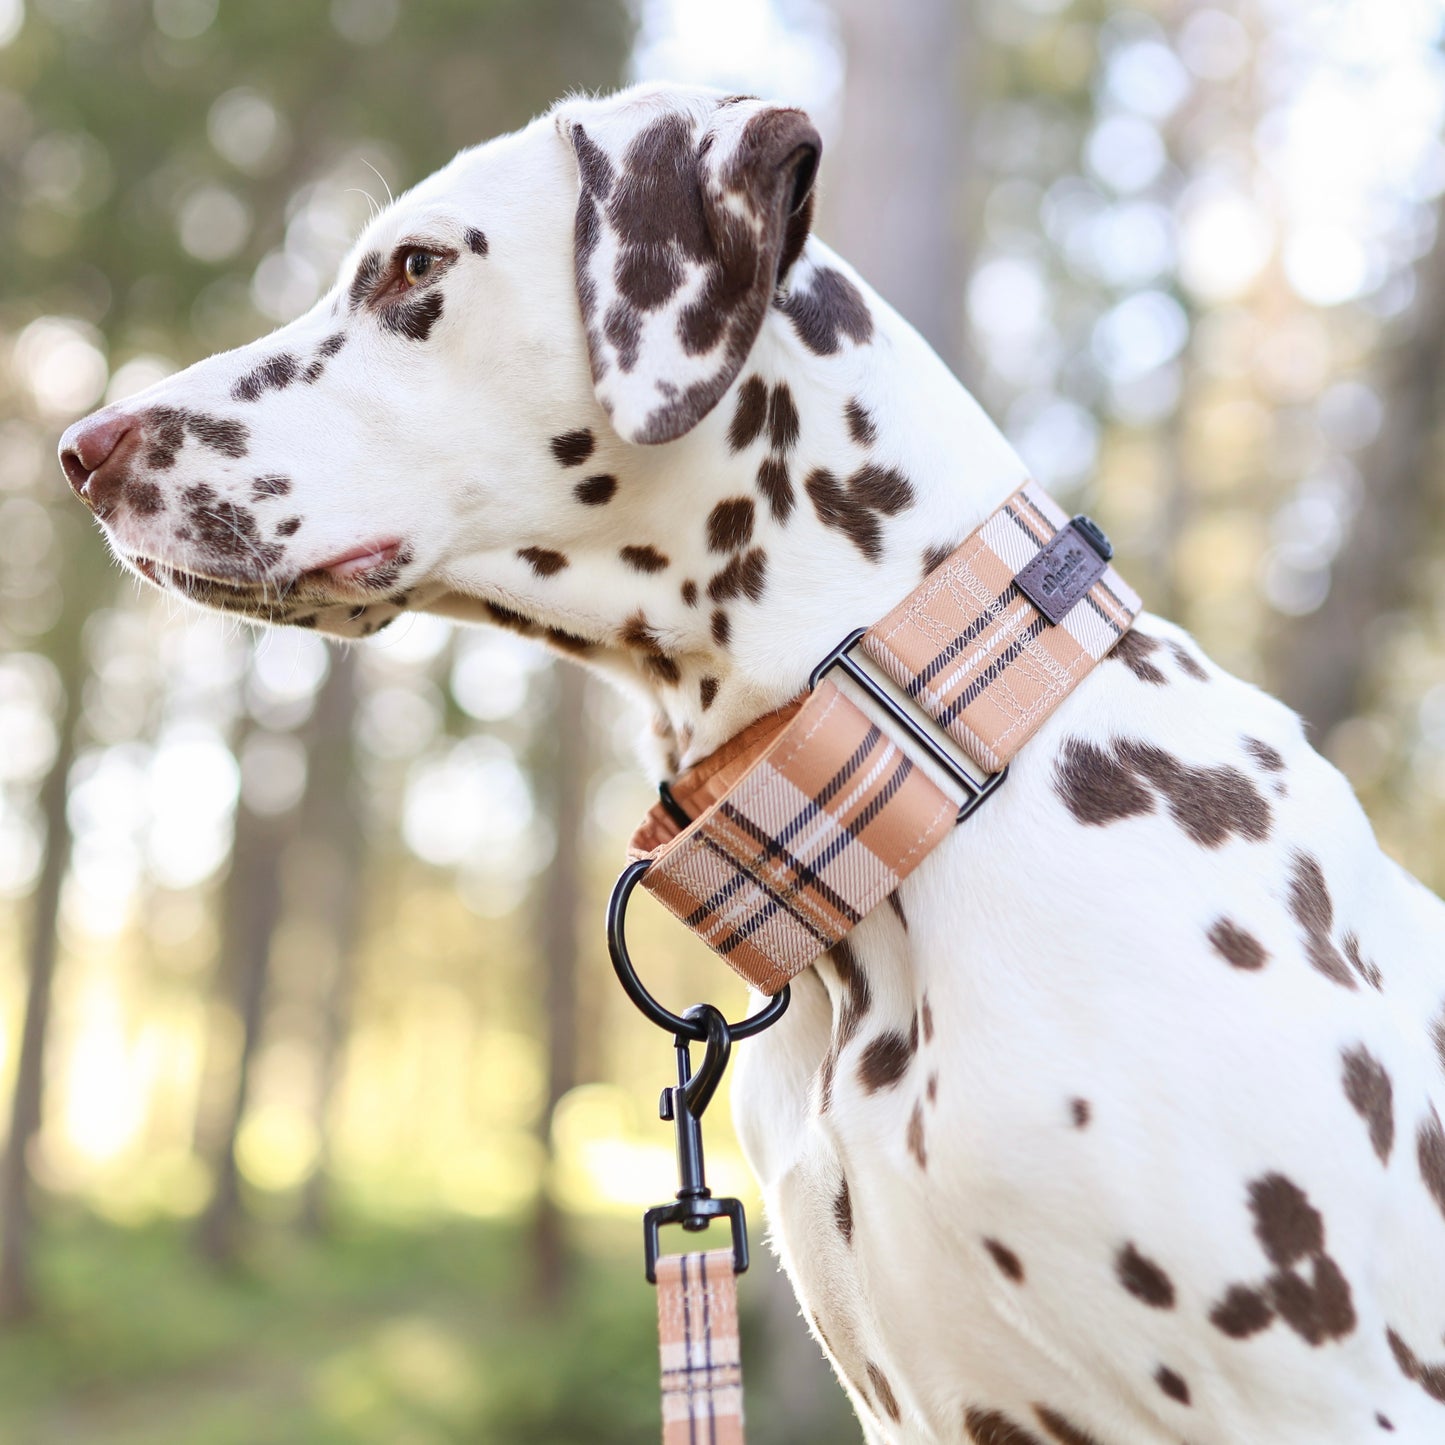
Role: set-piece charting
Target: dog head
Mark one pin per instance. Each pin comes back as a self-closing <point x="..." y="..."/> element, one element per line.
<point x="444" y="429"/>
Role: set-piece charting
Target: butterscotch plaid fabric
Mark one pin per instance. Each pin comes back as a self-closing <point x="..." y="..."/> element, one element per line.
<point x="810" y="818"/>
<point x="697" y="1326"/>
<point x="977" y="655"/>
<point x="814" y="836"/>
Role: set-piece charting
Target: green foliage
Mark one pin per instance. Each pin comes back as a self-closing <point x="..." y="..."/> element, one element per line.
<point x="378" y="1337"/>
<point x="111" y="110"/>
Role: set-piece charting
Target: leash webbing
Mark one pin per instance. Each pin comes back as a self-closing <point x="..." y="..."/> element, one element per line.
<point x="697" y="1326"/>
<point x="809" y="819"/>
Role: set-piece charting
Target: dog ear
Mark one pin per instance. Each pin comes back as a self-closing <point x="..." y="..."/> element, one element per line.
<point x="686" y="222"/>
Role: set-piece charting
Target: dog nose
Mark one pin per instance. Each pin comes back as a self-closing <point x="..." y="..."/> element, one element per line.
<point x="90" y="456"/>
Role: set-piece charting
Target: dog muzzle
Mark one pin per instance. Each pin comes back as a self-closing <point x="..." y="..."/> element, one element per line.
<point x="775" y="846"/>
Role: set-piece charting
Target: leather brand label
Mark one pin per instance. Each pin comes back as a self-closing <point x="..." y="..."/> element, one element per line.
<point x="1060" y="575"/>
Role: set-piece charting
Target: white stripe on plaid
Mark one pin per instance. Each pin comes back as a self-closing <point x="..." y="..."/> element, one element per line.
<point x="699" y="1349"/>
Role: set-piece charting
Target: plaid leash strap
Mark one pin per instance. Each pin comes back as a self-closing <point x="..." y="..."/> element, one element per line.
<point x="697" y="1324"/>
<point x="810" y="818"/>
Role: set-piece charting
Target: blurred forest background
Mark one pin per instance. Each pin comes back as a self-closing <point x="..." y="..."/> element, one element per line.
<point x="326" y="1120"/>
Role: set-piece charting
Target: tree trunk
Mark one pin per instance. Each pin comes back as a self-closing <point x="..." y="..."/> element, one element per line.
<point x="334" y="858"/>
<point x="560" y="773"/>
<point x="1320" y="661"/>
<point x="251" y="909"/>
<point x="85" y="581"/>
<point x="895" y="191"/>
<point x="17" y="1295"/>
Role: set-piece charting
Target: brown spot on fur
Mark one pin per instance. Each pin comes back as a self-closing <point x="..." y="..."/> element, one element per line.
<point x="1316" y="1309"/>
<point x="1210" y="804"/>
<point x="276" y="373"/>
<point x="1062" y="1429"/>
<point x="927" y="1016"/>
<point x="884" y="1061"/>
<point x="542" y="560"/>
<point x="730" y="525"/>
<point x="721" y="628"/>
<point x="1437" y="1034"/>
<point x="1133" y="650"/>
<point x="1270" y="759"/>
<point x="1430" y="1378"/>
<point x="860" y="423"/>
<point x="837" y="507"/>
<point x="512" y="621"/>
<point x="1008" y="1262"/>
<point x="643" y="558"/>
<point x="935" y="557"/>
<point x="1144" y="1279"/>
<point x="663" y="668"/>
<point x="707" y="691"/>
<point x="1096" y="787"/>
<point x="1241" y="1313"/>
<point x="843" y="1211"/>
<point x="744" y="576"/>
<point x="881" y="489"/>
<point x="596" y="491"/>
<point x="916" y="1144"/>
<point x="750" y="414"/>
<point x="476" y="241"/>
<point x="1188" y="663"/>
<point x="1287" y="1225"/>
<point x="1362" y="966"/>
<point x="332" y="344"/>
<point x="826" y="309"/>
<point x="1368" y="1088"/>
<point x="883" y="1392"/>
<point x="572" y="448"/>
<point x="229" y="438"/>
<point x="1173" y="1385"/>
<point x="783" y="423"/>
<point x="144" y="498"/>
<point x="775" y="484"/>
<point x="637" y="633"/>
<point x="1081" y="1112"/>
<point x="413" y="316"/>
<point x="689" y="592"/>
<point x="1430" y="1150"/>
<point x="1314" y="911"/>
<point x="271" y="486"/>
<point x="1236" y="945"/>
<point x="289" y="527"/>
<point x="568" y="642"/>
<point x="989" y="1427"/>
<point x="368" y="273"/>
<point x="1315" y="1304"/>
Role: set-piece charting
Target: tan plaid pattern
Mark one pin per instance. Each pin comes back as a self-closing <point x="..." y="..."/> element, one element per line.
<point x="814" y="836"/>
<point x="975" y="654"/>
<point x="808" y="819"/>
<point x="697" y="1326"/>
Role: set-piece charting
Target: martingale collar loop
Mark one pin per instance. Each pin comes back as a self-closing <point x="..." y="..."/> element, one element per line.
<point x="810" y="817"/>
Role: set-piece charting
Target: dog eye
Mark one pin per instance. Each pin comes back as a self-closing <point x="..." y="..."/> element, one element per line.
<point x="417" y="265"/>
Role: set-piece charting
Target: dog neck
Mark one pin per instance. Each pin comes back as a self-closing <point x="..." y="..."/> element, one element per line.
<point x="836" y="473"/>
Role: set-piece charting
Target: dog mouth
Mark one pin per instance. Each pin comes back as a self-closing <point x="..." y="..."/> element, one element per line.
<point x="354" y="578"/>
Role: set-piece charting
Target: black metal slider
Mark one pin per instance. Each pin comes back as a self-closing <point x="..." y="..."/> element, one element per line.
<point x="841" y="657"/>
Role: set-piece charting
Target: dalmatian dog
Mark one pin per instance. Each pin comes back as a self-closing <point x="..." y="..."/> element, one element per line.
<point x="1123" y="1126"/>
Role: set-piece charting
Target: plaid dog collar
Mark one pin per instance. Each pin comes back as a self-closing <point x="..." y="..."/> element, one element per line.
<point x="813" y="815"/>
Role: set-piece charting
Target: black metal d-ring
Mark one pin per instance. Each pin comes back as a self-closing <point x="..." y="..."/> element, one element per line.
<point x="691" y="1028"/>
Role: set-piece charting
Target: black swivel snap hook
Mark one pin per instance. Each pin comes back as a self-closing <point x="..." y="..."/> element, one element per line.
<point x="694" y="1207"/>
<point x="684" y="1103"/>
